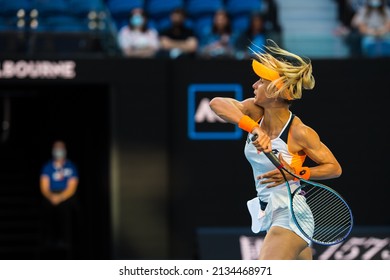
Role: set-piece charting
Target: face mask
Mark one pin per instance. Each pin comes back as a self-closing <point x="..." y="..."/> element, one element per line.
<point x="137" y="20"/>
<point x="374" y="3"/>
<point x="59" y="153"/>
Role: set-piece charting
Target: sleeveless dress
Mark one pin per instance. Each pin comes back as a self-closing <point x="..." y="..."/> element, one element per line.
<point x="271" y="205"/>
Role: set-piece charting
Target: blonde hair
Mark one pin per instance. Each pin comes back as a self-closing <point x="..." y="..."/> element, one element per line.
<point x="294" y="76"/>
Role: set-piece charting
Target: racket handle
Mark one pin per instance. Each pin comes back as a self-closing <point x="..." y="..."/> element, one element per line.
<point x="271" y="156"/>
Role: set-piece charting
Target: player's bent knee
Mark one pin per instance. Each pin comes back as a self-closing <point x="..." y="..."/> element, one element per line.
<point x="284" y="244"/>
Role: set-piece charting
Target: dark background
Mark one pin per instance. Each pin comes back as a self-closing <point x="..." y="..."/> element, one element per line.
<point x="41" y="114"/>
<point x="145" y="187"/>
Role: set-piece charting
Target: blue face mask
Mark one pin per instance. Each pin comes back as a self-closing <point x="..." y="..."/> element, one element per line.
<point x="137" y="20"/>
<point x="59" y="154"/>
<point x="374" y="3"/>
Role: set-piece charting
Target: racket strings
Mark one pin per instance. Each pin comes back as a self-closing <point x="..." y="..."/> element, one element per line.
<point x="321" y="214"/>
<point x="331" y="200"/>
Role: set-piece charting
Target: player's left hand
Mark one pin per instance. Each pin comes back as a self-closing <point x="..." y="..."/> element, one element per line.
<point x="274" y="177"/>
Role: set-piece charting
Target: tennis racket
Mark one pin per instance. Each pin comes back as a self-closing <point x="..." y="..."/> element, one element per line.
<point x="319" y="212"/>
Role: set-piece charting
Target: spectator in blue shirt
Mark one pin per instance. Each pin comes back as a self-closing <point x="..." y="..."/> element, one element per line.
<point x="58" y="184"/>
<point x="59" y="178"/>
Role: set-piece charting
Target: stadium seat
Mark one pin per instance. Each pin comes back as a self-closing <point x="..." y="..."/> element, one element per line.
<point x="56" y="15"/>
<point x="240" y="22"/>
<point x="158" y="7"/>
<point x="84" y="7"/>
<point x="242" y="6"/>
<point x="50" y="7"/>
<point x="7" y="6"/>
<point x="93" y="13"/>
<point x="120" y="7"/>
<point x="201" y="13"/>
<point x="14" y="14"/>
<point x="64" y="23"/>
<point x="13" y="21"/>
<point x="202" y="7"/>
<point x="159" y="12"/>
<point x="240" y="12"/>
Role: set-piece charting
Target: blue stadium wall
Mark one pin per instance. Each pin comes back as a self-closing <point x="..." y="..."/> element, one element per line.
<point x="158" y="169"/>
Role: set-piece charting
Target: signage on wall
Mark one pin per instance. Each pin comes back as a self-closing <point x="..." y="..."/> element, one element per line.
<point x="364" y="243"/>
<point x="37" y="69"/>
<point x="370" y="247"/>
<point x="203" y="123"/>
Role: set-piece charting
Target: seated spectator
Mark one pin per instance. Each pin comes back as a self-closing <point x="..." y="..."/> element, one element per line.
<point x="178" y="40"/>
<point x="136" y="39"/>
<point x="350" y="34"/>
<point x="220" y="42"/>
<point x="373" y="23"/>
<point x="346" y="9"/>
<point x="254" y="37"/>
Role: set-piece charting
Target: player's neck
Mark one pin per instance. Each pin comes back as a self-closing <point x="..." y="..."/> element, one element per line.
<point x="274" y="120"/>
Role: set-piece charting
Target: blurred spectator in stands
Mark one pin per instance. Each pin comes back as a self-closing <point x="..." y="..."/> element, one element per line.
<point x="350" y="34"/>
<point x="137" y="40"/>
<point x="254" y="37"/>
<point x="346" y="9"/>
<point x="58" y="184"/>
<point x="178" y="40"/>
<point x="220" y="41"/>
<point x="373" y="22"/>
<point x="272" y="27"/>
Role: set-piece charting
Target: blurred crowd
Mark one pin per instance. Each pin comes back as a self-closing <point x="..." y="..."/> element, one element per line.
<point x="365" y="27"/>
<point x="183" y="35"/>
<point x="174" y="28"/>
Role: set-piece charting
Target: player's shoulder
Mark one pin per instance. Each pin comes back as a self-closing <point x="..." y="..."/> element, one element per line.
<point x="300" y="130"/>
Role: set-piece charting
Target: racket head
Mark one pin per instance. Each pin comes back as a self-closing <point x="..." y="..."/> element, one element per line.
<point x="321" y="213"/>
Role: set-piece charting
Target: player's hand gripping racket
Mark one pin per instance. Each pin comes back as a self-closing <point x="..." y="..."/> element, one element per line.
<point x="319" y="212"/>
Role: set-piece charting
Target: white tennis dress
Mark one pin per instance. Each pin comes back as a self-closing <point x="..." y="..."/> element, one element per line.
<point x="276" y="212"/>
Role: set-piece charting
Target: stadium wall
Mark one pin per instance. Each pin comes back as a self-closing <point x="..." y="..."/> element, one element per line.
<point x="172" y="167"/>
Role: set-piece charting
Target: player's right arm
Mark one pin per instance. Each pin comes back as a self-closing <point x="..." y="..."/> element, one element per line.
<point x="232" y="110"/>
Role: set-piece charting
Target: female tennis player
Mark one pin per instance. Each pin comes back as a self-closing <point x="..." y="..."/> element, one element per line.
<point x="282" y="78"/>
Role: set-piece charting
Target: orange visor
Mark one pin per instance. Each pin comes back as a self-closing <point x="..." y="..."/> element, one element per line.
<point x="265" y="72"/>
<point x="269" y="74"/>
